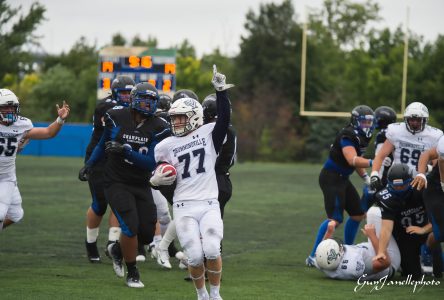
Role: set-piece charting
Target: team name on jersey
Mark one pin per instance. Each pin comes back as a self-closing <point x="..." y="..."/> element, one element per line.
<point x="135" y="139"/>
<point x="9" y="134"/>
<point x="412" y="211"/>
<point x="189" y="145"/>
<point x="410" y="145"/>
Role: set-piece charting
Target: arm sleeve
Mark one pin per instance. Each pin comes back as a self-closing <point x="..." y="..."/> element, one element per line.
<point x="109" y="134"/>
<point x="223" y="120"/>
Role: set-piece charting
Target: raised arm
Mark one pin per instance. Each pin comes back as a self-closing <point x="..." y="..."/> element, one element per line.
<point x="51" y="131"/>
<point x="223" y="109"/>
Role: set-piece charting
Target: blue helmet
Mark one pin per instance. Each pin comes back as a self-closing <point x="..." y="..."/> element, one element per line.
<point x="362" y="120"/>
<point x="121" y="84"/>
<point x="144" y="98"/>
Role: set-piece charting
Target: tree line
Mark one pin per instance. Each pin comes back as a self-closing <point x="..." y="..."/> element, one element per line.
<point x="349" y="62"/>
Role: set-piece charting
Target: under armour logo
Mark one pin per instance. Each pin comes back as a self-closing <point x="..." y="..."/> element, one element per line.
<point x="210" y="202"/>
<point x="179" y="204"/>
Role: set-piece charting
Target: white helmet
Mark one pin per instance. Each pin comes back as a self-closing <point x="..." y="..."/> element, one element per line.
<point x="329" y="254"/>
<point x="192" y="109"/>
<point x="416" y="110"/>
<point x="8" y="100"/>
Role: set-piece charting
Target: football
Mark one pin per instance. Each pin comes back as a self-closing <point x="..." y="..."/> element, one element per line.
<point x="167" y="167"/>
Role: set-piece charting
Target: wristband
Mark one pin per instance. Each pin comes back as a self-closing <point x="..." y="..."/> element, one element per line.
<point x="422" y="176"/>
<point x="370" y="163"/>
<point x="354" y="160"/>
<point x="60" y="121"/>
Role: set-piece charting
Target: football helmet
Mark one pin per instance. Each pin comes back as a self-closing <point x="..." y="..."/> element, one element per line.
<point x="329" y="254"/>
<point x="384" y="116"/>
<point x="144" y="98"/>
<point x="209" y="108"/>
<point x="121" y="88"/>
<point x="164" y="103"/>
<point x="399" y="177"/>
<point x="416" y="116"/>
<point x="9" y="107"/>
<point x="186" y="115"/>
<point x="184" y="94"/>
<point x="362" y="120"/>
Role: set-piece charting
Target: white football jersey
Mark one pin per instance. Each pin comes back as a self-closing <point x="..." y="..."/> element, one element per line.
<point x="10" y="137"/>
<point x="408" y="146"/>
<point x="194" y="158"/>
<point x="352" y="265"/>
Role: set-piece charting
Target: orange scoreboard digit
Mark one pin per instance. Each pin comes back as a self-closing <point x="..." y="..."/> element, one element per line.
<point x="156" y="66"/>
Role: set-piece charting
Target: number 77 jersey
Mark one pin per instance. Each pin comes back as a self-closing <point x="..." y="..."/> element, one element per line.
<point x="408" y="146"/>
<point x="194" y="158"/>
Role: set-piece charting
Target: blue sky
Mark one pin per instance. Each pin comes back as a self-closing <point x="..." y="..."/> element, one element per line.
<point x="207" y="24"/>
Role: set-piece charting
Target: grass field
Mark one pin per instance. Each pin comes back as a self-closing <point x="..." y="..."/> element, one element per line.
<point x="270" y="225"/>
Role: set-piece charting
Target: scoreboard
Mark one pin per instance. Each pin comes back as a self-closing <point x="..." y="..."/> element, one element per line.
<point x="142" y="64"/>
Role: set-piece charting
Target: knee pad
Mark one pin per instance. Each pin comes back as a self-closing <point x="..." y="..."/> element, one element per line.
<point x="195" y="257"/>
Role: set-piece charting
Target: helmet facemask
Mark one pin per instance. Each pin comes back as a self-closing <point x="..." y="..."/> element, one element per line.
<point x="364" y="125"/>
<point x="415" y="124"/>
<point x="123" y="96"/>
<point x="145" y="103"/>
<point x="9" y="112"/>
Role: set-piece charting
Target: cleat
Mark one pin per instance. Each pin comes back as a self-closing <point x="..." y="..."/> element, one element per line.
<point x="92" y="252"/>
<point x="133" y="280"/>
<point x="183" y="260"/>
<point x="163" y="258"/>
<point x="188" y="278"/>
<point x="310" y="262"/>
<point x="116" y="255"/>
<point x="141" y="254"/>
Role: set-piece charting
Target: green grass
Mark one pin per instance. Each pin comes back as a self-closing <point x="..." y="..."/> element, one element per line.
<point x="270" y="224"/>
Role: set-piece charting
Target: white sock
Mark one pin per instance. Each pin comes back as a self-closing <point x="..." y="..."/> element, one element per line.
<point x="92" y="234"/>
<point x="202" y="293"/>
<point x="169" y="236"/>
<point x="114" y="234"/>
<point x="214" y="290"/>
<point x="157" y="239"/>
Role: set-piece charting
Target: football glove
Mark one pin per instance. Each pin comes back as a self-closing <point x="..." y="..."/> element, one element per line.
<point x="387" y="162"/>
<point x="113" y="147"/>
<point x="84" y="173"/>
<point x="160" y="178"/>
<point x="375" y="183"/>
<point x="218" y="81"/>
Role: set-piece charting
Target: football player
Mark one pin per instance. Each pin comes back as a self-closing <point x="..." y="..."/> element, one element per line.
<point x="353" y="262"/>
<point x="345" y="157"/>
<point x="433" y="185"/>
<point x="15" y="131"/>
<point x="164" y="106"/>
<point x="406" y="140"/>
<point x="226" y="158"/>
<point x="193" y="151"/>
<point x="184" y="93"/>
<point x="120" y="95"/>
<point x="384" y="116"/>
<point x="403" y="216"/>
<point x="129" y="138"/>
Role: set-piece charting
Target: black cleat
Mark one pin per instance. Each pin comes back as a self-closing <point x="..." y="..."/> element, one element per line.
<point x="133" y="279"/>
<point x="92" y="252"/>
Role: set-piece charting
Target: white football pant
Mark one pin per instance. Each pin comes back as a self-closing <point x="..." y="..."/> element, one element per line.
<point x="10" y="202"/>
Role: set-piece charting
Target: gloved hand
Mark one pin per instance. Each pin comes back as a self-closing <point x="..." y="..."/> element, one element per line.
<point x="218" y="81"/>
<point x="375" y="183"/>
<point x="113" y="147"/>
<point x="160" y="178"/>
<point x="84" y="173"/>
<point x="366" y="179"/>
<point x="387" y="162"/>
